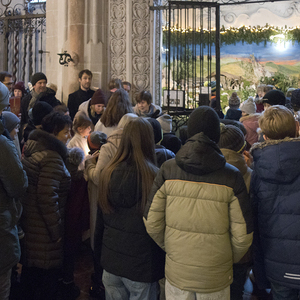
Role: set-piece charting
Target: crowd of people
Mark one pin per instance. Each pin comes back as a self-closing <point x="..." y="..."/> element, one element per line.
<point x="167" y="217"/>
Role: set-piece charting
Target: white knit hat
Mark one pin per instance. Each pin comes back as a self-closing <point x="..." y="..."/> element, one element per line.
<point x="248" y="106"/>
<point x="165" y="122"/>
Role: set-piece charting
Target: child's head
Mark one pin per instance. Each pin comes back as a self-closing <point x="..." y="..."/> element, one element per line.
<point x="273" y="97"/>
<point x="295" y="99"/>
<point x="144" y="100"/>
<point x="82" y="124"/>
<point x="248" y="107"/>
<point x="96" y="139"/>
<point x="277" y="122"/>
<point x="11" y="123"/>
<point x="234" y="101"/>
<point x="231" y="138"/>
<point x="62" y="108"/>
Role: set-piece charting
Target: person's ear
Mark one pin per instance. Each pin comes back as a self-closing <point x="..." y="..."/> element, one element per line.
<point x="265" y="137"/>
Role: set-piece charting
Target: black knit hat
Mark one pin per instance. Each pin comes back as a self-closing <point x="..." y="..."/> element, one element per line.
<point x="39" y="111"/>
<point x="231" y="138"/>
<point x="204" y="119"/>
<point x="156" y="129"/>
<point x="295" y="99"/>
<point x="38" y="76"/>
<point x="274" y="97"/>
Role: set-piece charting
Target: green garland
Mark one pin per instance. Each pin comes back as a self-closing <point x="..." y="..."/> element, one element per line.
<point x="229" y="36"/>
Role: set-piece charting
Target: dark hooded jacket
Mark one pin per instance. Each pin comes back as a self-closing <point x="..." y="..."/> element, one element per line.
<point x="127" y="249"/>
<point x="13" y="184"/>
<point x="275" y="189"/>
<point x="198" y="212"/>
<point x="43" y="213"/>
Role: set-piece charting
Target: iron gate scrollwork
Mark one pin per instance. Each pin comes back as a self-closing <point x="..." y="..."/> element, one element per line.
<point x="23" y="30"/>
<point x="192" y="52"/>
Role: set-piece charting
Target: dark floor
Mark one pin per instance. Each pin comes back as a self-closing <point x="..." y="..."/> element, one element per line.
<point x="84" y="269"/>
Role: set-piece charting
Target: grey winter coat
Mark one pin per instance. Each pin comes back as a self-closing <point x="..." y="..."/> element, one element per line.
<point x="13" y="184"/>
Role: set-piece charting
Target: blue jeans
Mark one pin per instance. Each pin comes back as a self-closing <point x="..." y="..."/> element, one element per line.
<point x="281" y="292"/>
<point x="120" y="288"/>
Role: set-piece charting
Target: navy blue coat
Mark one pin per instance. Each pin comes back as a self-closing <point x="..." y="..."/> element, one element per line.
<point x="275" y="190"/>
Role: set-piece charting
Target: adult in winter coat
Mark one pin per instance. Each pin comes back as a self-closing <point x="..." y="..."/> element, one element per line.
<point x="275" y="189"/>
<point x="198" y="212"/>
<point x="13" y="183"/>
<point x="132" y="262"/>
<point x="44" y="160"/>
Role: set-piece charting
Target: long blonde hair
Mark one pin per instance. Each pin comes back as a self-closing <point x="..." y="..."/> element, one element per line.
<point x="137" y="146"/>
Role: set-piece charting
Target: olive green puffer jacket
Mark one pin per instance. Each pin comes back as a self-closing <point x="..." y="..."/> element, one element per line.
<point x="199" y="213"/>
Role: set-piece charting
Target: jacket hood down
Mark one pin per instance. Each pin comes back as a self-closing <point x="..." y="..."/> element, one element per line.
<point x="277" y="161"/>
<point x="200" y="155"/>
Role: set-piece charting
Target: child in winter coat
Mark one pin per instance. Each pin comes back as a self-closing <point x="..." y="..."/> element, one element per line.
<point x="232" y="144"/>
<point x="275" y="191"/>
<point x="234" y="112"/>
<point x="250" y="121"/>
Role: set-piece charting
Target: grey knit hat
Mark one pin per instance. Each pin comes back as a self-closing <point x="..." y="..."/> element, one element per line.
<point x="11" y="121"/>
<point x="248" y="106"/>
<point x="234" y="101"/>
<point x="165" y="122"/>
<point x="231" y="138"/>
<point x="4" y="96"/>
<point x="96" y="139"/>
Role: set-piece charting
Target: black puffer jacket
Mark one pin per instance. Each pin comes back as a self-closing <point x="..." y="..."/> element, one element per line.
<point x="127" y="249"/>
<point x="48" y="186"/>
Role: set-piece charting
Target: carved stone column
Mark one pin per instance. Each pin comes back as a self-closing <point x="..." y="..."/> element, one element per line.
<point x="140" y="45"/>
<point x="156" y="48"/>
<point x="118" y="38"/>
<point x="76" y="11"/>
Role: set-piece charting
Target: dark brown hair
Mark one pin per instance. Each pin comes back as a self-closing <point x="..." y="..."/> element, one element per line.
<point x="115" y="83"/>
<point x="87" y="72"/>
<point x="137" y="146"/>
<point x="81" y="120"/>
<point x="117" y="106"/>
<point x="144" y="95"/>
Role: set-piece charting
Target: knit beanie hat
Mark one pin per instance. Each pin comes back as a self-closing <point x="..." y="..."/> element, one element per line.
<point x="96" y="139"/>
<point x="39" y="111"/>
<point x="274" y="97"/>
<point x="234" y="101"/>
<point x="11" y="121"/>
<point x="231" y="138"/>
<point x="156" y="129"/>
<point x="204" y="119"/>
<point x="235" y="123"/>
<point x="37" y="77"/>
<point x="248" y="106"/>
<point x="295" y="99"/>
<point x="98" y="98"/>
<point x="4" y="96"/>
<point x="20" y="86"/>
<point x="165" y="122"/>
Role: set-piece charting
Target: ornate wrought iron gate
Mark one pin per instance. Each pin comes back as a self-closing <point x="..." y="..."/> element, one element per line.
<point x="22" y="30"/>
<point x="192" y="54"/>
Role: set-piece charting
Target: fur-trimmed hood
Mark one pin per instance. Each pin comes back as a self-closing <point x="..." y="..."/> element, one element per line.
<point x="277" y="160"/>
<point x="249" y="117"/>
<point x="40" y="140"/>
